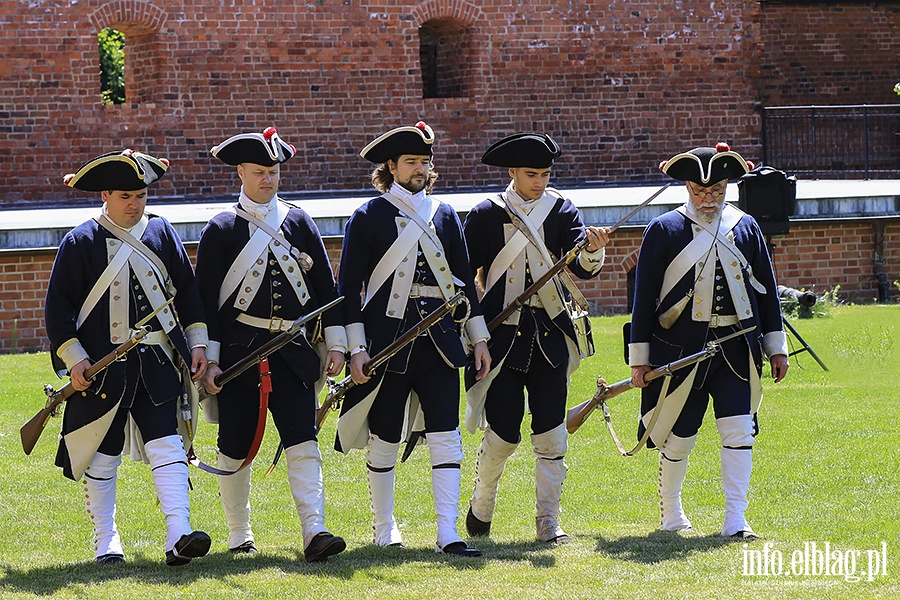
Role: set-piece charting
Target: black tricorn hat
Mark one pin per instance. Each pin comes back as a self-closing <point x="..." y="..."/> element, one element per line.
<point x="535" y="150"/>
<point x="127" y="170"/>
<point x="402" y="140"/>
<point x="707" y="166"/>
<point x="266" y="149"/>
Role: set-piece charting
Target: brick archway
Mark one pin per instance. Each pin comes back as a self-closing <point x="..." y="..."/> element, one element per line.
<point x="131" y="17"/>
<point x="466" y="13"/>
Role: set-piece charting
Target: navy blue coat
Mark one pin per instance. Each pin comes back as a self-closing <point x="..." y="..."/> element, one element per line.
<point x="563" y="229"/>
<point x="81" y="259"/>
<point x="664" y="238"/>
<point x="221" y="240"/>
<point x="368" y="235"/>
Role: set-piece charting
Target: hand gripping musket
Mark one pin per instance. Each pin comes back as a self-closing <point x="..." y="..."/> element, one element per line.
<point x="259" y="357"/>
<point x="32" y="430"/>
<point x="577" y="415"/>
<point x="559" y="265"/>
<point x="337" y="391"/>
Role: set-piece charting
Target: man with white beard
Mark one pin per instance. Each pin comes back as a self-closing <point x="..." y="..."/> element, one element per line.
<point x="704" y="273"/>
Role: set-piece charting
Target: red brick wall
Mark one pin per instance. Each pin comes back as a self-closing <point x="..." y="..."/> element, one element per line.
<point x="621" y="86"/>
<point x="829" y="53"/>
<point x="817" y="257"/>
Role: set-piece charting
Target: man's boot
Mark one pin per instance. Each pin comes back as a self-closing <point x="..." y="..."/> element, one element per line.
<point x="100" y="502"/>
<point x="304" y="465"/>
<point x="550" y="450"/>
<point x="446" y="458"/>
<point x="673" y="464"/>
<point x="168" y="466"/>
<point x="737" y="438"/>
<point x="492" y="456"/>
<point x="234" y="490"/>
<point x="381" y="460"/>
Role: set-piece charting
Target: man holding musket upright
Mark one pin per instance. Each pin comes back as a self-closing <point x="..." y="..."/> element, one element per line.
<point x="111" y="273"/>
<point x="513" y="239"/>
<point x="261" y="266"/>
<point x="704" y="273"/>
<point x="405" y="250"/>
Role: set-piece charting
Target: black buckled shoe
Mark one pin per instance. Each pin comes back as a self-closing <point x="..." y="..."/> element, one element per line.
<point x="461" y="549"/>
<point x="247" y="547"/>
<point x="322" y="546"/>
<point x="745" y="535"/>
<point x="191" y="545"/>
<point x="475" y="526"/>
<point x="110" y="559"/>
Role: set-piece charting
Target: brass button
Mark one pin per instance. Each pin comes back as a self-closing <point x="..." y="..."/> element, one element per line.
<point x="248" y="289"/>
<point x="396" y="295"/>
<point x="276" y="296"/>
<point x="115" y="324"/>
<point x="290" y="269"/>
<point x="242" y="301"/>
<point x="256" y="273"/>
<point x="390" y="312"/>
<point x="259" y="261"/>
<point x="512" y="279"/>
<point x="277" y="243"/>
<point x="401" y="274"/>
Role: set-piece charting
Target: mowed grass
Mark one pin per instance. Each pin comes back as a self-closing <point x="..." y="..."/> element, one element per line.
<point x="825" y="471"/>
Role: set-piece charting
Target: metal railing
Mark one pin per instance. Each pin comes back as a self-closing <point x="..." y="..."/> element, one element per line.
<point x="851" y="141"/>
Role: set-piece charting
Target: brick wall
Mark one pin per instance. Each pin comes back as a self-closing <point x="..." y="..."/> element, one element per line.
<point x="620" y="85"/>
<point x="814" y="256"/>
<point x="829" y="53"/>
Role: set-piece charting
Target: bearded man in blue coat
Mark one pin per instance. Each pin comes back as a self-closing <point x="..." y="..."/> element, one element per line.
<point x="703" y="273"/>
<point x="405" y="250"/>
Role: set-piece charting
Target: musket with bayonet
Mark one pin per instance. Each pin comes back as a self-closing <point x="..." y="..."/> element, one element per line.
<point x="577" y="415"/>
<point x="31" y="431"/>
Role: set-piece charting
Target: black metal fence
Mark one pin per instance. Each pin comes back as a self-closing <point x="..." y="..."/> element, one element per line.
<point x="851" y="141"/>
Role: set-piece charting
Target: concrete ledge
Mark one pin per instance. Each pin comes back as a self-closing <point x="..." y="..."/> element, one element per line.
<point x="44" y="229"/>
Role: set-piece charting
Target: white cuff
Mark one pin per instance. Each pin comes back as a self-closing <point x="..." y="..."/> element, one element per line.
<point x="775" y="342"/>
<point x="213" y="351"/>
<point x="72" y="353"/>
<point x="356" y="337"/>
<point x="197" y="335"/>
<point x="639" y="354"/>
<point x="592" y="261"/>
<point x="476" y="329"/>
<point x="336" y="338"/>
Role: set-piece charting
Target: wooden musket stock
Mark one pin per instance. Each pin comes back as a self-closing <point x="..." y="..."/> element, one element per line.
<point x="32" y="430"/>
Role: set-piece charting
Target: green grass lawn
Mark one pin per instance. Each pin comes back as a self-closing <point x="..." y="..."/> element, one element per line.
<point x="825" y="472"/>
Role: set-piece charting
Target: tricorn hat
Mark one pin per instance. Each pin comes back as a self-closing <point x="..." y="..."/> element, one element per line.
<point x="535" y="150"/>
<point x="706" y="166"/>
<point x="266" y="149"/>
<point x="402" y="140"/>
<point x="127" y="170"/>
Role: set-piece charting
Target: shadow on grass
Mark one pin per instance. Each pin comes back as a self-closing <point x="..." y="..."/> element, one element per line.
<point x="50" y="579"/>
<point x="659" y="546"/>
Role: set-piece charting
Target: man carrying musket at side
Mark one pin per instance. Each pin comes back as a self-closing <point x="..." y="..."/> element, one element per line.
<point x="535" y="348"/>
<point x="406" y="250"/>
<point x="112" y="272"/>
<point x="703" y="273"/>
<point x="262" y="265"/>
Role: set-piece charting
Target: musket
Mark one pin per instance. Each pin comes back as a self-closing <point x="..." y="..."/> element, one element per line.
<point x="32" y="430"/>
<point x="559" y="265"/>
<point x="336" y="391"/>
<point x="276" y="343"/>
<point x="577" y="415"/>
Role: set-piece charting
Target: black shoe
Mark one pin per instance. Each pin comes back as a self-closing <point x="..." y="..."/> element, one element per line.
<point x="746" y="535"/>
<point x="475" y="526"/>
<point x="461" y="549"/>
<point x="191" y="545"/>
<point x="560" y="539"/>
<point x="110" y="559"/>
<point x="247" y="547"/>
<point x="322" y="546"/>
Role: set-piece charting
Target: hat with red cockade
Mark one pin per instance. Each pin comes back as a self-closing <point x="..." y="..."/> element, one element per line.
<point x="706" y="166"/>
<point x="402" y="140"/>
<point x="266" y="149"/>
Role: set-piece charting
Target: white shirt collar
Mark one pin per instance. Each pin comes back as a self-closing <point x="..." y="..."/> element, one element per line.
<point x="260" y="211"/>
